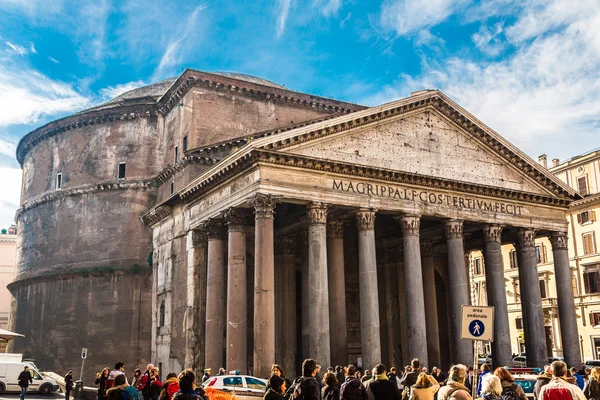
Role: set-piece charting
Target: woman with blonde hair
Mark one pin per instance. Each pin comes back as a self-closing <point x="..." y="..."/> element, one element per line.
<point x="592" y="386"/>
<point x="101" y="379"/>
<point x="425" y="388"/>
<point x="509" y="388"/>
<point x="455" y="387"/>
<point x="491" y="388"/>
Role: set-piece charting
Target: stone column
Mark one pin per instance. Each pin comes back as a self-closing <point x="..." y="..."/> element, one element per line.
<point x="566" y="300"/>
<point x="236" y="348"/>
<point x="215" y="295"/>
<point x="264" y="284"/>
<point x="531" y="300"/>
<point x="370" y="341"/>
<point x="415" y="297"/>
<point x="459" y="289"/>
<point x="431" y="312"/>
<point x="337" y="292"/>
<point x="285" y="304"/>
<point x="304" y="297"/>
<point x="196" y="300"/>
<point x="496" y="295"/>
<point x="318" y="293"/>
<point x="392" y="311"/>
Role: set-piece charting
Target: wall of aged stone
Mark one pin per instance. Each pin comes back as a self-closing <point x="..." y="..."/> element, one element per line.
<point x="61" y="315"/>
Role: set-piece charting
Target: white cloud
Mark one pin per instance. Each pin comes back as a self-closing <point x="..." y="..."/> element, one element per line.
<point x="7" y="147"/>
<point x="489" y="40"/>
<point x="9" y="195"/>
<point x="54" y="60"/>
<point x="544" y="93"/>
<point x="282" y="10"/>
<point x="329" y="7"/>
<point x="111" y="92"/>
<point x="32" y="48"/>
<point x="406" y="17"/>
<point x="16" y="49"/>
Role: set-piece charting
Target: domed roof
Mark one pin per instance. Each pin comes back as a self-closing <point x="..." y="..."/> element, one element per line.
<point x="248" y="78"/>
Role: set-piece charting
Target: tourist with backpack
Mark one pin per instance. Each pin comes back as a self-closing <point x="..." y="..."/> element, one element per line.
<point x="144" y="385"/>
<point x="410" y="378"/>
<point x="455" y="388"/>
<point x="491" y="388"/>
<point x="542" y="380"/>
<point x="510" y="390"/>
<point x="559" y="388"/>
<point x="352" y="388"/>
<point x="330" y="391"/>
<point x="305" y="387"/>
<point x="170" y="387"/>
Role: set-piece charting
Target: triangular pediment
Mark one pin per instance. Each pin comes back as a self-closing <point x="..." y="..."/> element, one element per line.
<point x="423" y="143"/>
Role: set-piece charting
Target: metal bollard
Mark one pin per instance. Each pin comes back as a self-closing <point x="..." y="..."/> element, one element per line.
<point x="78" y="391"/>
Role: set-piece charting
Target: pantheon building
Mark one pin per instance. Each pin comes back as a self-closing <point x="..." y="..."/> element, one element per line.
<point x="221" y="220"/>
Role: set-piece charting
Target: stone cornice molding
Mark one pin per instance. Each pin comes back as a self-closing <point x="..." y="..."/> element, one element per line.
<point x="526" y="237"/>
<point x="427" y="248"/>
<point x="285" y="245"/>
<point x="86" y="118"/>
<point x="559" y="240"/>
<point x="335" y="229"/>
<point x="492" y="233"/>
<point x="214" y="229"/>
<point x="168" y="172"/>
<point x="454" y="229"/>
<point x="156" y="215"/>
<point x="365" y="219"/>
<point x="316" y="213"/>
<point x="192" y="78"/>
<point x="236" y="219"/>
<point x="410" y="224"/>
<point x="264" y="205"/>
<point x="83" y="189"/>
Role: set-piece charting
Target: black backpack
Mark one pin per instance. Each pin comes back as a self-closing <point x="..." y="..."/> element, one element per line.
<point x="294" y="392"/>
<point x="509" y="393"/>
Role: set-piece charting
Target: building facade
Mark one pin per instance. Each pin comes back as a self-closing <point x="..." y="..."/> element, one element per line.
<point x="8" y="254"/>
<point x="582" y="173"/>
<point x="277" y="225"/>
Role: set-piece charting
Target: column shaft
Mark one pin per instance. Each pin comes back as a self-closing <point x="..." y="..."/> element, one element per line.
<point x="237" y="318"/>
<point x="531" y="301"/>
<point x="286" y="303"/>
<point x="415" y="297"/>
<point x="215" y="296"/>
<point x="318" y="293"/>
<point x="431" y="314"/>
<point x="304" y="297"/>
<point x="337" y="293"/>
<point x="392" y="310"/>
<point x="264" y="285"/>
<point x="196" y="300"/>
<point x="496" y="294"/>
<point x="566" y="300"/>
<point x="459" y="292"/>
<point x="370" y="341"/>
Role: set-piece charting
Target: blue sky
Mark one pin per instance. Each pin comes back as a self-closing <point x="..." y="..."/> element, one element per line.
<point x="527" y="68"/>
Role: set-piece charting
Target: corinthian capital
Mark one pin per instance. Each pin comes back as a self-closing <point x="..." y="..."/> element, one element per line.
<point x="335" y="229"/>
<point x="492" y="233"/>
<point x="365" y="219"/>
<point x="559" y="240"/>
<point x="264" y="205"/>
<point x="454" y="229"/>
<point x="317" y="213"/>
<point x="236" y="219"/>
<point x="526" y="237"/>
<point x="410" y="224"/>
<point x="213" y="228"/>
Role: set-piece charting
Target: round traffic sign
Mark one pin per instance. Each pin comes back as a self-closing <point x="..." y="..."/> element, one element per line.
<point x="476" y="328"/>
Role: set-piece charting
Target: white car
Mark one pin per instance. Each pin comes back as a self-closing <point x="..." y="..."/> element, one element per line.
<point x="9" y="382"/>
<point x="243" y="386"/>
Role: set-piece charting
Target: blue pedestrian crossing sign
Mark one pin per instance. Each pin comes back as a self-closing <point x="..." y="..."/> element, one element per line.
<point x="477" y="323"/>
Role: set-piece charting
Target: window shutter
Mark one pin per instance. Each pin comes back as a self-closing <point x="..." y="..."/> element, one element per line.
<point x="593" y="216"/>
<point x="579" y="218"/>
<point x="544" y="256"/>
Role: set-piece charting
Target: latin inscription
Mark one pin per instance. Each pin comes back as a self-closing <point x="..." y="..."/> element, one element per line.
<point x="392" y="192"/>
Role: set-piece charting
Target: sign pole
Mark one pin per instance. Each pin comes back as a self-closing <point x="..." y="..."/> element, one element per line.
<point x="83" y="357"/>
<point x="475" y="368"/>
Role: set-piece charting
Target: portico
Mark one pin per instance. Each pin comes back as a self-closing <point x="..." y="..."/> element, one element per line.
<point x="389" y="198"/>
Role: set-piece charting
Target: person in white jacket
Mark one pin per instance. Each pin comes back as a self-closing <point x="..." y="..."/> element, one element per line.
<point x="558" y="388"/>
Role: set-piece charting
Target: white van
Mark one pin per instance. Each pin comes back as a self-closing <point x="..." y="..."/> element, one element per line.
<point x="9" y="374"/>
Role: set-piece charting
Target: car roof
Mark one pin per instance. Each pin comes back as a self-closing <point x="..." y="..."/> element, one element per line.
<point x="238" y="376"/>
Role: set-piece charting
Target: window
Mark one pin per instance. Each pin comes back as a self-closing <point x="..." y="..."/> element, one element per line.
<point x="543" y="292"/>
<point x="589" y="243"/>
<point x="478" y="266"/>
<point x="513" y="259"/>
<point x="121" y="172"/>
<point x="233" y="381"/>
<point x="582" y="185"/>
<point x="540" y="254"/>
<point x="575" y="289"/>
<point x="58" y="181"/>
<point x="176" y="154"/>
<point x="519" y="323"/>
<point x="586" y="216"/>
<point x="591" y="280"/>
<point x="255" y="384"/>
<point x="595" y="318"/>
<point x="172" y="187"/>
<point x="161" y="316"/>
<point x="184" y="144"/>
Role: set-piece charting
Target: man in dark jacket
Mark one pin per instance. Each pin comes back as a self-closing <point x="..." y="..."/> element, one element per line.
<point x="24" y="380"/>
<point x="309" y="387"/>
<point x="381" y="387"/>
<point x="410" y="378"/>
<point x="352" y="388"/>
<point x="542" y="380"/>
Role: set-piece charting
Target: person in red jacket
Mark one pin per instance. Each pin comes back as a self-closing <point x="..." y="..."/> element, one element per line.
<point x="170" y="387"/>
